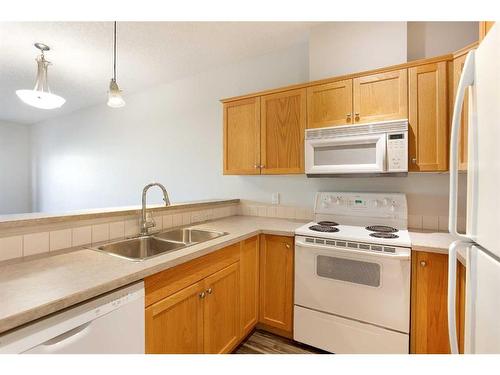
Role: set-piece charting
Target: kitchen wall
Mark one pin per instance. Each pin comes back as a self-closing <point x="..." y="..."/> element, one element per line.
<point x="172" y="133"/>
<point x="15" y="167"/>
<point x="427" y="39"/>
<point x="346" y="47"/>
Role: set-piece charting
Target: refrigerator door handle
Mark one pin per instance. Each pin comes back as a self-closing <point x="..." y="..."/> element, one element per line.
<point x="452" y="293"/>
<point x="466" y="80"/>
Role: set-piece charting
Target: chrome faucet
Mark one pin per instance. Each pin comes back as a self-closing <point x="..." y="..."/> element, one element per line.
<point x="145" y="224"/>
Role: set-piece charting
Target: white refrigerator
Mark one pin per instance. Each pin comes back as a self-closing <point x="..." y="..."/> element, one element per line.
<point x="481" y="242"/>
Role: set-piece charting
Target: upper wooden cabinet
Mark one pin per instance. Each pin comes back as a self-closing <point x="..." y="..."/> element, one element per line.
<point x="380" y="97"/>
<point x="242" y="136"/>
<point x="283" y="123"/>
<point x="329" y="104"/>
<point x="265" y="135"/>
<point x="484" y="27"/>
<point x="276" y="282"/>
<point x="428" y="127"/>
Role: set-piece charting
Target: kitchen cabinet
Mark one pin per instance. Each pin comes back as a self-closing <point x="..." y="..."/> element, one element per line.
<point x="428" y="118"/>
<point x="242" y="136"/>
<point x="329" y="104"/>
<point x="283" y="124"/>
<point x="484" y="27"/>
<point x="221" y="310"/>
<point x="174" y="325"/>
<point x="265" y="135"/>
<point x="249" y="284"/>
<point x="194" y="307"/>
<point x="276" y="282"/>
<point x="429" y="288"/>
<point x="380" y="97"/>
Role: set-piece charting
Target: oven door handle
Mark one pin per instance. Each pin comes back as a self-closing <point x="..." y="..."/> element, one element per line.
<point x="354" y="251"/>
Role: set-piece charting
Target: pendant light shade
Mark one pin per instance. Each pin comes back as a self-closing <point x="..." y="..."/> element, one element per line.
<point x="40" y="96"/>
<point x="115" y="99"/>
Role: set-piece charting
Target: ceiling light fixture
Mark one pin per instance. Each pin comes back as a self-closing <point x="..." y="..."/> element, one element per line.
<point x="115" y="99"/>
<point x="40" y="96"/>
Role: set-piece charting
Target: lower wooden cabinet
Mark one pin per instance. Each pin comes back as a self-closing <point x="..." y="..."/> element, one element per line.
<point x="221" y="326"/>
<point x="429" y="314"/>
<point x="249" y="284"/>
<point x="276" y="282"/>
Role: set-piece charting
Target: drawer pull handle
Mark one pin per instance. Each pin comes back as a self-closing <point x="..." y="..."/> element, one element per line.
<point x="202" y="295"/>
<point x="209" y="291"/>
<point x="287" y="245"/>
<point x="423" y="263"/>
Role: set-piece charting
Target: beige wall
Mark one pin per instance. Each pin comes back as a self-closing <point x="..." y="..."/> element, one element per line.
<point x="428" y="39"/>
<point x="337" y="48"/>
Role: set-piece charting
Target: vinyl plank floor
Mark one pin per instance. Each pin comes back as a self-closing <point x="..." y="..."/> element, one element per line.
<point x="262" y="342"/>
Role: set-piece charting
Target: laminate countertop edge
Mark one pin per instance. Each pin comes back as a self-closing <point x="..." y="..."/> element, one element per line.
<point x="29" y="292"/>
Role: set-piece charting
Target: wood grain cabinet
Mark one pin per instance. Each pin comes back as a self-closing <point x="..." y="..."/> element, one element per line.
<point x="249" y="284"/>
<point x="276" y="282"/>
<point x="428" y="120"/>
<point x="429" y="319"/>
<point x="265" y="135"/>
<point x="484" y="27"/>
<point x="380" y="97"/>
<point x="194" y="307"/>
<point x="242" y="136"/>
<point x="283" y="123"/>
<point x="329" y="104"/>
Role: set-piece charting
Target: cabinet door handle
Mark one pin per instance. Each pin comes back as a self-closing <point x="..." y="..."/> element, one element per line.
<point x="423" y="263"/>
<point x="356" y="116"/>
<point x="348" y="117"/>
<point x="287" y="245"/>
<point x="209" y="291"/>
<point x="262" y="166"/>
<point x="256" y="166"/>
<point x="202" y="295"/>
<point x="414" y="160"/>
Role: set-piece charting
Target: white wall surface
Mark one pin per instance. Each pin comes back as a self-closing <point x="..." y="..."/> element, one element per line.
<point x="101" y="157"/>
<point x="428" y="39"/>
<point x="15" y="168"/>
<point x="338" y="48"/>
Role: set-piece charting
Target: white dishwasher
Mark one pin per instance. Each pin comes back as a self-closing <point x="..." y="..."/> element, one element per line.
<point x="110" y="324"/>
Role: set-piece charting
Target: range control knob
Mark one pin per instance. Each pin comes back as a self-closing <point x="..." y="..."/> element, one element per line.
<point x="386" y="201"/>
<point x="393" y="206"/>
<point x="376" y="203"/>
<point x="338" y="201"/>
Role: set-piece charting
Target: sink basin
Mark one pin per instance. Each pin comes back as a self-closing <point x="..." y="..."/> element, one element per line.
<point x="140" y="248"/>
<point x="189" y="235"/>
<point x="145" y="247"/>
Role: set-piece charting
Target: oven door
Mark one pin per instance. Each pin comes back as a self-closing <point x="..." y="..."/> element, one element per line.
<point x="355" y="284"/>
<point x="352" y="154"/>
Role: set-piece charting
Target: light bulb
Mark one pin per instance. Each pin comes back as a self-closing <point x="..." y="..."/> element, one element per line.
<point x="115" y="99"/>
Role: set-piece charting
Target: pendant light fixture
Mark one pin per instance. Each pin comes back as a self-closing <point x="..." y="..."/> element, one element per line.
<point x="40" y="96"/>
<point x="115" y="99"/>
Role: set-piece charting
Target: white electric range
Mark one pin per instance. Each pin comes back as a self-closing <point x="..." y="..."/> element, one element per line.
<point x="352" y="274"/>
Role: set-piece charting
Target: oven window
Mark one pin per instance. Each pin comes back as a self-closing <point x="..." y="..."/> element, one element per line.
<point x="353" y="271"/>
<point x="345" y="154"/>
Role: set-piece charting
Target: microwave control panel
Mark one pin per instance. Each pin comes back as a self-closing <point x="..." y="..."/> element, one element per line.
<point x="397" y="151"/>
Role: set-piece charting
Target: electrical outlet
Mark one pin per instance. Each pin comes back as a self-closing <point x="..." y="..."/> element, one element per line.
<point x="275" y="198"/>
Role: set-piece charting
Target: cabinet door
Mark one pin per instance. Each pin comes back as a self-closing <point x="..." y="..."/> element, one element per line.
<point x="174" y="325"/>
<point x="283" y="124"/>
<point x="428" y="131"/>
<point x="380" y="97"/>
<point x="221" y="310"/>
<point x="329" y="104"/>
<point x="242" y="136"/>
<point x="429" y="332"/>
<point x="458" y="65"/>
<point x="276" y="281"/>
<point x="249" y="284"/>
<point x="484" y="27"/>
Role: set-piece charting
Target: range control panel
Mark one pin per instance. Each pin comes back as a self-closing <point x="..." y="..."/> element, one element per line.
<point x="374" y="205"/>
<point x="397" y="152"/>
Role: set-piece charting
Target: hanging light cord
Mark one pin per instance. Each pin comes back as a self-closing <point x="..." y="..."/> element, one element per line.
<point x="114" y="53"/>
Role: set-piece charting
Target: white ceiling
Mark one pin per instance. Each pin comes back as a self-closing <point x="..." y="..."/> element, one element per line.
<point x="148" y="53"/>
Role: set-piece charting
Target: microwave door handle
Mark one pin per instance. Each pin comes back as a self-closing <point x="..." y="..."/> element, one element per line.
<point x="466" y="80"/>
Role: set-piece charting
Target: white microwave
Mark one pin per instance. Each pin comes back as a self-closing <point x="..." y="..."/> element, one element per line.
<point x="376" y="149"/>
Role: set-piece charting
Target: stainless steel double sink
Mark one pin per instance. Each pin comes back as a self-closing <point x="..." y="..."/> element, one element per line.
<point x="145" y="247"/>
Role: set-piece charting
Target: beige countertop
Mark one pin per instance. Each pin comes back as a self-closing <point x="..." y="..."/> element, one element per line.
<point x="32" y="289"/>
<point x="35" y="288"/>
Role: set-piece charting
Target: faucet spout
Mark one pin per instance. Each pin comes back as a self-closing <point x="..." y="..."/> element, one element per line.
<point x="145" y="225"/>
